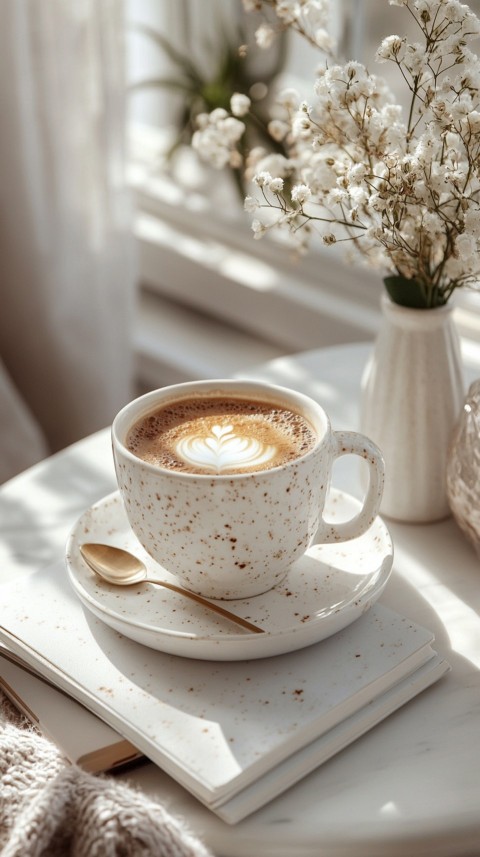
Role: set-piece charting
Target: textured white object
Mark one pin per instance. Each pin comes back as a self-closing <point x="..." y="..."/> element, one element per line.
<point x="326" y="590"/>
<point x="51" y="807"/>
<point x="412" y="394"/>
<point x="235" y="734"/>
<point x="236" y="535"/>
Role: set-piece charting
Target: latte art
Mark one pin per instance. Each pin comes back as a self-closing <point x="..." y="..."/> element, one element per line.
<point x="218" y="435"/>
<point x="224" y="450"/>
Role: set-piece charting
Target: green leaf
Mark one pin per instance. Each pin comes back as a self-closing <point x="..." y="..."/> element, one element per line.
<point x="183" y="61"/>
<point x="162" y="82"/>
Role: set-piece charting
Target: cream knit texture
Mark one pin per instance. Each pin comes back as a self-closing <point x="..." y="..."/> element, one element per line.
<point x="49" y="808"/>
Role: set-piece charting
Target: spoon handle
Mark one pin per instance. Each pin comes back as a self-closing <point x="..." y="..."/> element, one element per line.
<point x="206" y="603"/>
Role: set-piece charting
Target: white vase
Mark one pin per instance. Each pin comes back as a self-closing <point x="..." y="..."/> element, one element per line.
<point x="412" y="394"/>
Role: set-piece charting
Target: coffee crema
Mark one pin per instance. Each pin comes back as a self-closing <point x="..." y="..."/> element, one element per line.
<point x="220" y="435"/>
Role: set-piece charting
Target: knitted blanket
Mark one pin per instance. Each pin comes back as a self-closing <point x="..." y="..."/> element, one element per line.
<point x="49" y="808"/>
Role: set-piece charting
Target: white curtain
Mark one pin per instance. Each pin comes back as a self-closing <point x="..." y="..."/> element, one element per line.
<point x="66" y="252"/>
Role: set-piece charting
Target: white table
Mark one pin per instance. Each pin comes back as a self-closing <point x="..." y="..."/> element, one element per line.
<point x="411" y="786"/>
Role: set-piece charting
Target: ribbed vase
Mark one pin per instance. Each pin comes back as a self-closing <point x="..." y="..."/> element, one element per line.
<point x="412" y="395"/>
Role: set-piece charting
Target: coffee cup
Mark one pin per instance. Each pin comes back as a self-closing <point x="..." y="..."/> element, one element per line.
<point x="224" y="481"/>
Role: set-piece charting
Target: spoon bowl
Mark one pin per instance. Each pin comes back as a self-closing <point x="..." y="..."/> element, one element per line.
<point x="122" y="568"/>
<point x="114" y="564"/>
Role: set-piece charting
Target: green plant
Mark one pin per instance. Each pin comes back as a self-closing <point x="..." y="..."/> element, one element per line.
<point x="203" y="92"/>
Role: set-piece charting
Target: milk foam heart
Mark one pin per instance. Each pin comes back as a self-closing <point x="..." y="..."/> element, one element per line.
<point x="223" y="449"/>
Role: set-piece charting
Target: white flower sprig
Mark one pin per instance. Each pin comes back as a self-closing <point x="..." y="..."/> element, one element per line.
<point x="310" y="18"/>
<point x="403" y="189"/>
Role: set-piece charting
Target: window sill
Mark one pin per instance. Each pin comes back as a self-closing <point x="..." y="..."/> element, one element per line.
<point x="212" y="298"/>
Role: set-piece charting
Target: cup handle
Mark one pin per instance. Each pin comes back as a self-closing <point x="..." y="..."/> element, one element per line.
<point x="354" y="443"/>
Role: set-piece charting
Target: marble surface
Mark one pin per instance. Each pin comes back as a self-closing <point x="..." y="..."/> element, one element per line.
<point x="411" y="785"/>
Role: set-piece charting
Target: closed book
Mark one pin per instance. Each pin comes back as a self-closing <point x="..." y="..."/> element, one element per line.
<point x="235" y="734"/>
<point x="92" y="744"/>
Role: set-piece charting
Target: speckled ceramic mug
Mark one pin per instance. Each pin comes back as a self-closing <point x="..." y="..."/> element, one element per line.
<point x="235" y="534"/>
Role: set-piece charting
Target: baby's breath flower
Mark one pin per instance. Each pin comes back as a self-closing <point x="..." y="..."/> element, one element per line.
<point x="414" y="60"/>
<point x="239" y="104"/>
<point x="232" y="129"/>
<point x="288" y="98"/>
<point x="374" y="233"/>
<point x="278" y="130"/>
<point x="465" y="246"/>
<point x="324" y="40"/>
<point x="216" y="138"/>
<point x="301" y="125"/>
<point x="301" y="193"/>
<point x="318" y="142"/>
<point x="358" y="195"/>
<point x="356" y="173"/>
<point x="235" y="160"/>
<point x="250" y="204"/>
<point x="202" y="120"/>
<point x="472" y="221"/>
<point x="254" y="156"/>
<point x="262" y="179"/>
<point x="276" y="185"/>
<point x="337" y="196"/>
<point x="211" y="148"/>
<point x="287" y="10"/>
<point x="432" y="224"/>
<point x="264" y="36"/>
<point x="259" y="229"/>
<point x="292" y="215"/>
<point x="454" y="11"/>
<point x="275" y="164"/>
<point x="378" y="202"/>
<point x="473" y="120"/>
<point x="392" y="48"/>
<point x="217" y="115"/>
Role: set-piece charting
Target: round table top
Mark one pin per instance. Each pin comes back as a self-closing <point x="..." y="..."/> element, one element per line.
<point x="411" y="785"/>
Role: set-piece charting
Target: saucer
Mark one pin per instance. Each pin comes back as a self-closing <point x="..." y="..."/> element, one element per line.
<point x="327" y="589"/>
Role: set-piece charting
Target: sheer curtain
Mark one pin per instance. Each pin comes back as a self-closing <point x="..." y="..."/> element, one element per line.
<point x="66" y="252"/>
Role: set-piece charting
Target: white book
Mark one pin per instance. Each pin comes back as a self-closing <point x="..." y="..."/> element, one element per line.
<point x="92" y="744"/>
<point x="235" y="734"/>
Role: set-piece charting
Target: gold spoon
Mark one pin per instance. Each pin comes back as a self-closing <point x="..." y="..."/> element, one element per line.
<point x="124" y="569"/>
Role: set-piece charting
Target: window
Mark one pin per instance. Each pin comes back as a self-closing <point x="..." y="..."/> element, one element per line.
<point x="213" y="301"/>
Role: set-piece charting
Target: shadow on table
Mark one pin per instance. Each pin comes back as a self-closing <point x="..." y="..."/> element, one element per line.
<point x="39" y="507"/>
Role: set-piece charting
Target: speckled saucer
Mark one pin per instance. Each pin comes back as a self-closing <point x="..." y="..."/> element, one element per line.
<point x="326" y="590"/>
